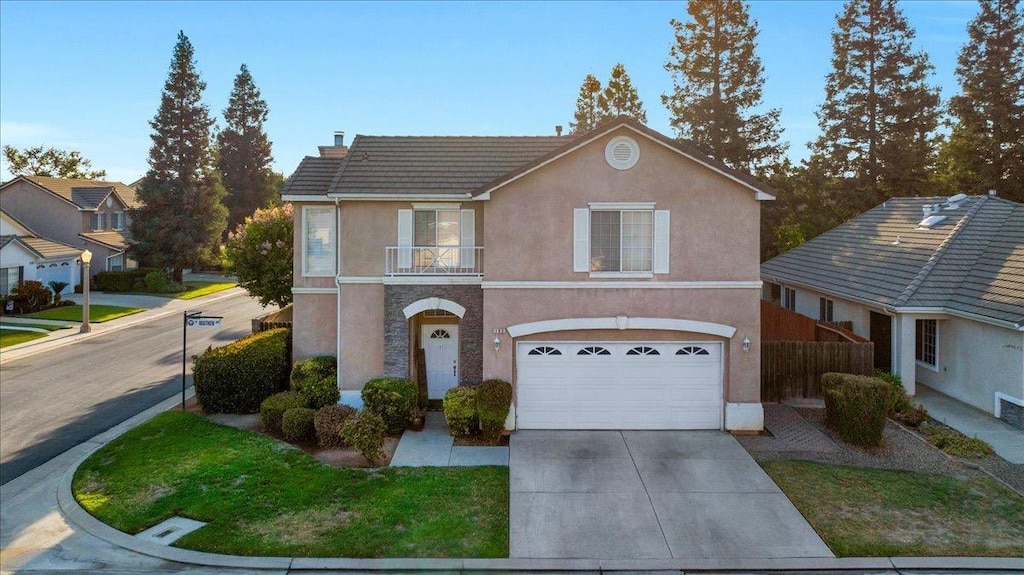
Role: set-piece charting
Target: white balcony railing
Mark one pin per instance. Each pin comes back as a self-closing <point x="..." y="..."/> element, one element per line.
<point x="434" y="260"/>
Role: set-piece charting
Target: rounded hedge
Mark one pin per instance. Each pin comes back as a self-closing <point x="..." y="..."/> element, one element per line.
<point x="297" y="424"/>
<point x="272" y="409"/>
<point x="313" y="369"/>
<point x="394" y="400"/>
<point x="237" y="378"/>
<point x="328" y="424"/>
<point x="493" y="399"/>
<point x="460" y="410"/>
<point x="365" y="432"/>
<point x="856" y="407"/>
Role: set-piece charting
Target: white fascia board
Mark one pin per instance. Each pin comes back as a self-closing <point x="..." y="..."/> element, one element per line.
<point x="314" y="290"/>
<point x="399" y="197"/>
<point x="752" y="284"/>
<point x="889" y="310"/>
<point x="960" y="314"/>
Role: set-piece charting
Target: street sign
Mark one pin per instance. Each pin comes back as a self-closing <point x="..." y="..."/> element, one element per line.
<point x="204" y="321"/>
<point x="194" y="319"/>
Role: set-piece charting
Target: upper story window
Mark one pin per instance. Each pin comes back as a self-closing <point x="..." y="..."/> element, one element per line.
<point x="117" y="221"/>
<point x="435" y="238"/>
<point x="98" y="222"/>
<point x="826" y="311"/>
<point x="318" y="241"/>
<point x="629" y="239"/>
<point x="437" y="227"/>
<point x="927" y="343"/>
<point x="789" y="299"/>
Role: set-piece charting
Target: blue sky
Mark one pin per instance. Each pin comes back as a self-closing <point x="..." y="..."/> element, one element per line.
<point x="88" y="75"/>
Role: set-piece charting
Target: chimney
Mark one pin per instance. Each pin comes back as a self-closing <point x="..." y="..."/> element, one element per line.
<point x="992" y="193"/>
<point x="558" y="130"/>
<point x="338" y="150"/>
<point x="927" y="209"/>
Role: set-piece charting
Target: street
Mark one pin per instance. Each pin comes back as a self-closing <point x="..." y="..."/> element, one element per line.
<point x="52" y="401"/>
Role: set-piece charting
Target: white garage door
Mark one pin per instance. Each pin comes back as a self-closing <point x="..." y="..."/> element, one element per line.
<point x="632" y="385"/>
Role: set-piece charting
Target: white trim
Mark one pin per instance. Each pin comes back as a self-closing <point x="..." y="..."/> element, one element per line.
<point x="624" y="275"/>
<point x="432" y="280"/>
<point x="621" y="323"/>
<point x="739" y="284"/>
<point x="314" y="290"/>
<point x="919" y="362"/>
<point x="634" y="155"/>
<point x="628" y="206"/>
<point x="399" y="197"/>
<point x="358" y="280"/>
<point x="435" y="206"/>
<point x="334" y="243"/>
<point x="303" y="198"/>
<point x="1002" y="396"/>
<point x="433" y="303"/>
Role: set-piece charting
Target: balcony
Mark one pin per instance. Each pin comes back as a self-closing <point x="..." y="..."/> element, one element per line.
<point x="434" y="261"/>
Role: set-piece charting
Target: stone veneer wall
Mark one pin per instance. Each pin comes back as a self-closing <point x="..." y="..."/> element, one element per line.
<point x="471" y="326"/>
<point x="1011" y="413"/>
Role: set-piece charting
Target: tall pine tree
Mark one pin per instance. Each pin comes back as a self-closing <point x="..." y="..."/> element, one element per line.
<point x="588" y="109"/>
<point x="717" y="82"/>
<point x="244" y="157"/>
<point x="620" y="98"/>
<point x="879" y="117"/>
<point x="182" y="217"/>
<point x="985" y="149"/>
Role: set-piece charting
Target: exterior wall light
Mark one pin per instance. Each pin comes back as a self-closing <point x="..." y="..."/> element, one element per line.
<point x="746" y="343"/>
<point x="497" y="343"/>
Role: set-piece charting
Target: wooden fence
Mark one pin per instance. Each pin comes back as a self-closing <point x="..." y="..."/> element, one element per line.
<point x="273" y="320"/>
<point x="794" y="368"/>
<point x="780" y="324"/>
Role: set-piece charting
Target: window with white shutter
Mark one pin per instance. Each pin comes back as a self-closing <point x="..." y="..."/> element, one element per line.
<point x="319" y="258"/>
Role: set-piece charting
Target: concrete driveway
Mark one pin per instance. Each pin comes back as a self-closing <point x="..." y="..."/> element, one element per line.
<point x="648" y="494"/>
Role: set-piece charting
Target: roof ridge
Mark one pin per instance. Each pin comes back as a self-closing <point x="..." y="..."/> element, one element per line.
<point x="940" y="251"/>
<point x="411" y="136"/>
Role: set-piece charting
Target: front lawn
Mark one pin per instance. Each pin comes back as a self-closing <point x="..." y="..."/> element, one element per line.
<point x="199" y="289"/>
<point x="264" y="497"/>
<point x="877" y="513"/>
<point x="97" y="313"/>
<point x="10" y="337"/>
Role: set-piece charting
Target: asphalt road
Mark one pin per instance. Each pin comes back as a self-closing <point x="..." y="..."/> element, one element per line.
<point x="52" y="401"/>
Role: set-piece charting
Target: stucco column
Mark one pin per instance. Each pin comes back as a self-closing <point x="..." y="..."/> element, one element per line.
<point x="906" y="359"/>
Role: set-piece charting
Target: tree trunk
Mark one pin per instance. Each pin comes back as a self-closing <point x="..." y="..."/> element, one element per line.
<point x="177" y="275"/>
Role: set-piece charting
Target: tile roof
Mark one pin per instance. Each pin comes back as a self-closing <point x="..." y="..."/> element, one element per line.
<point x="313" y="177"/>
<point x="972" y="262"/>
<point x="46" y="249"/>
<point x="116" y="240"/>
<point x="86" y="193"/>
<point x="4" y="240"/>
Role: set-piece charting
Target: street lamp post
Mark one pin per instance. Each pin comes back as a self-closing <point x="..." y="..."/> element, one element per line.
<point x="86" y="259"/>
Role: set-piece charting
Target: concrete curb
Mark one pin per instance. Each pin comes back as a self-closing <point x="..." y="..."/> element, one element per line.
<point x="29" y="349"/>
<point x="80" y="518"/>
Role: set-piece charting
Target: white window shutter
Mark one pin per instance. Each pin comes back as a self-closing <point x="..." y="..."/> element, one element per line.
<point x="405" y="239"/>
<point x="467" y="227"/>
<point x="581" y="240"/>
<point x="661" y="237"/>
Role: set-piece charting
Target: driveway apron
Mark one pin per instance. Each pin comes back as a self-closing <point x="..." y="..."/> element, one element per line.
<point x="648" y="494"/>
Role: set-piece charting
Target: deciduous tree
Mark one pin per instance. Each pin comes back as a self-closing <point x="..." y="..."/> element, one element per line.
<point x="50" y="162"/>
<point x="260" y="253"/>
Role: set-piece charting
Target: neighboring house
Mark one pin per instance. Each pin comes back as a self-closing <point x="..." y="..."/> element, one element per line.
<point x="936" y="283"/>
<point x="91" y="214"/>
<point x="611" y="277"/>
<point x="24" y="256"/>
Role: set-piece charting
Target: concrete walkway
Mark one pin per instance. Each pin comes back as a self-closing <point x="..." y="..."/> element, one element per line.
<point x="435" y="447"/>
<point x="1007" y="441"/>
<point x="648" y="495"/>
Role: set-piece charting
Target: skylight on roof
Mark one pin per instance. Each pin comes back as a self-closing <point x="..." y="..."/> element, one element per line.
<point x="930" y="222"/>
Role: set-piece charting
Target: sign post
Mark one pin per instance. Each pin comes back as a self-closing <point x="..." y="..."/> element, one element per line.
<point x="194" y="319"/>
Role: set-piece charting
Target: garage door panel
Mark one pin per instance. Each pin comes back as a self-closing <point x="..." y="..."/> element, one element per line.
<point x="652" y="388"/>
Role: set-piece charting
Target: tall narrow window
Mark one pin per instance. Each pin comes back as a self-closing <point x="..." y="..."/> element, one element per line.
<point x="926" y="342"/>
<point x="9" y="278"/>
<point x="318" y="241"/>
<point x="621" y="241"/>
<point x="98" y="222"/>
<point x="117" y="221"/>
<point x="826" y="310"/>
<point x="789" y="299"/>
<point x="440" y="232"/>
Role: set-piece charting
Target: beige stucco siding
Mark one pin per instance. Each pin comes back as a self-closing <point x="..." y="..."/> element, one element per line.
<point x="714" y="221"/>
<point x="48" y="215"/>
<point x="737" y="308"/>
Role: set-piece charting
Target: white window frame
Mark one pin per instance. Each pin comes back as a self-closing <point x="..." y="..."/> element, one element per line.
<point x="935" y="344"/>
<point x="333" y="234"/>
<point x="18" y="273"/>
<point x="117" y="221"/>
<point x="98" y="221"/>
<point x="826" y="310"/>
<point x="789" y="298"/>
<point x="622" y="207"/>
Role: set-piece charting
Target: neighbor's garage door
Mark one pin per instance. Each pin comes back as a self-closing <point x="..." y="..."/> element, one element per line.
<point x="634" y="385"/>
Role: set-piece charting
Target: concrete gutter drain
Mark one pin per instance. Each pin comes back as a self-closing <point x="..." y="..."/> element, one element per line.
<point x="169" y="531"/>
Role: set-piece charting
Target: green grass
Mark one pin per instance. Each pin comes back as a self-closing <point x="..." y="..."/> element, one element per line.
<point x="878" y="513"/>
<point x="955" y="443"/>
<point x="264" y="497"/>
<point x="97" y="313"/>
<point x="14" y="337"/>
<point x="199" y="289"/>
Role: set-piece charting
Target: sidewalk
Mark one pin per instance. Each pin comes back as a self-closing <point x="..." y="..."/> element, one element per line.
<point x="1008" y="442"/>
<point x="156" y="308"/>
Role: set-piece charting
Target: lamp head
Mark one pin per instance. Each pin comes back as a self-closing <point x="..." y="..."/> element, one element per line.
<point x="86" y="257"/>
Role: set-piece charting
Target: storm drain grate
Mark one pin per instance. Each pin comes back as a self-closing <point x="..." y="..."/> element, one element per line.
<point x="169" y="531"/>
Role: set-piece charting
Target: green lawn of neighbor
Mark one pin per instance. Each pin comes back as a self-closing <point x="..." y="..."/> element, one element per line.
<point x="881" y="513"/>
<point x="199" y="289"/>
<point x="14" y="337"/>
<point x="264" y="497"/>
<point x="46" y="326"/>
<point x="97" y="313"/>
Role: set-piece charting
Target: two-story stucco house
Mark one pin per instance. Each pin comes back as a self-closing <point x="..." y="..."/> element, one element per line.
<point x="87" y="213"/>
<point x="611" y="277"/>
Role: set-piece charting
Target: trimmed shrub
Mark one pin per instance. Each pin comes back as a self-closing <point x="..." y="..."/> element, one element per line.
<point x="237" y="378"/>
<point x="855" y="407"/>
<point x="272" y="409"/>
<point x="157" y="281"/>
<point x="317" y="378"/>
<point x="328" y="424"/>
<point x="899" y="401"/>
<point x="122" y="281"/>
<point x="955" y="443"/>
<point x="297" y="424"/>
<point x="365" y="432"/>
<point x="493" y="398"/>
<point x="460" y="410"/>
<point x="394" y="400"/>
<point x="30" y="296"/>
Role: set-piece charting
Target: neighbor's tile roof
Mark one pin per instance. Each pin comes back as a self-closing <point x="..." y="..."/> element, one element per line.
<point x="972" y="262"/>
<point x="47" y="249"/>
<point x="116" y="240"/>
<point x="86" y="194"/>
<point x="313" y="177"/>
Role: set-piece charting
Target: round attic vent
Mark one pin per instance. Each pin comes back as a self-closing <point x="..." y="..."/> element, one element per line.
<point x="622" y="153"/>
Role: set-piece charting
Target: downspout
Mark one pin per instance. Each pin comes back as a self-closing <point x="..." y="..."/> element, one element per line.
<point x="337" y="284"/>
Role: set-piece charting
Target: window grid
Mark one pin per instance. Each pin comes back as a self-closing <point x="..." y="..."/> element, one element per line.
<point x="826" y="309"/>
<point x="621" y="241"/>
<point x="319" y="257"/>
<point x="789" y="299"/>
<point x="927" y="340"/>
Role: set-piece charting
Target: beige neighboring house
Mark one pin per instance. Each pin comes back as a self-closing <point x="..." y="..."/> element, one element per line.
<point x="611" y="277"/>
<point x="88" y="214"/>
<point x="937" y="283"/>
<point x="25" y="256"/>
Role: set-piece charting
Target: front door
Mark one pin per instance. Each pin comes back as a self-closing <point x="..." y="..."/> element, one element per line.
<point x="881" y="336"/>
<point x="441" y="347"/>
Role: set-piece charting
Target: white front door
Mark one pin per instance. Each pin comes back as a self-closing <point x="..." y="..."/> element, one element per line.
<point x="441" y="344"/>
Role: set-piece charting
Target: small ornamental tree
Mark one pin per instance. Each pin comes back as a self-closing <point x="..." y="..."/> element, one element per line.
<point x="259" y="253"/>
